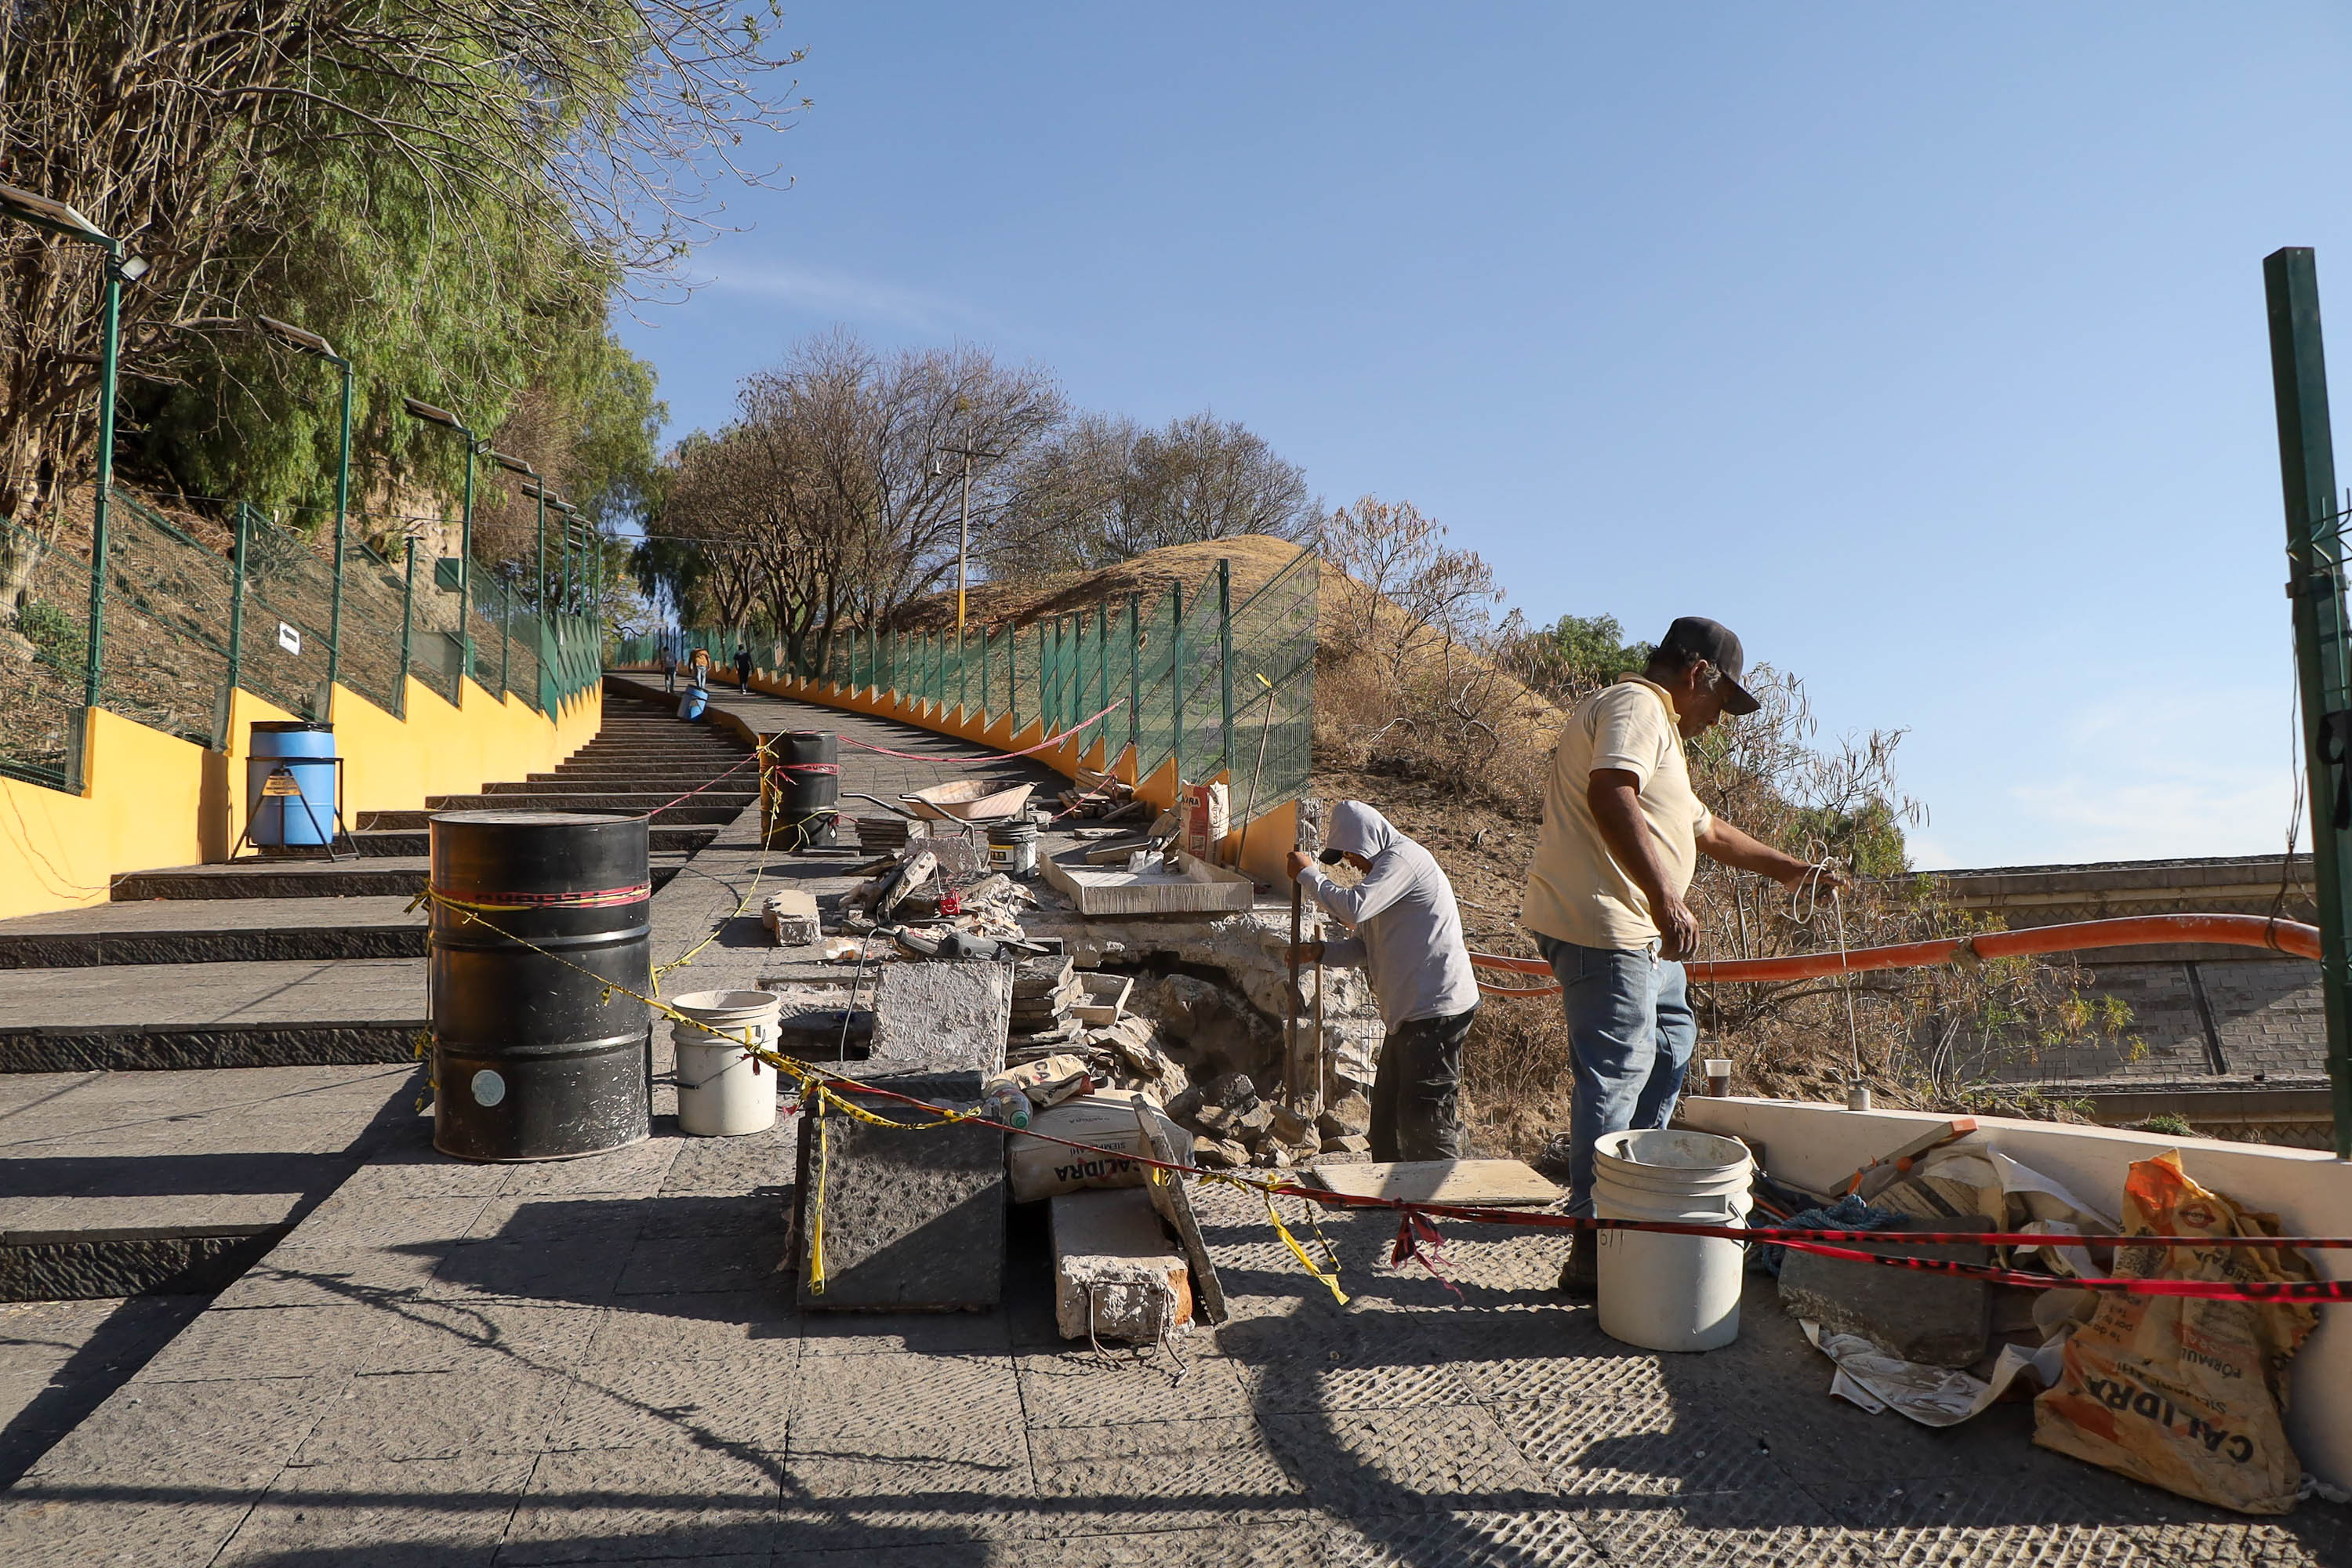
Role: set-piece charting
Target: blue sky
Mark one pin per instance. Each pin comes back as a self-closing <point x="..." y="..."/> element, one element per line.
<point x="1923" y="347"/>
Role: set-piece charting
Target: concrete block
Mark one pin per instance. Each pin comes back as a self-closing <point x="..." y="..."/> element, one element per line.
<point x="1115" y="1271"/>
<point x="792" y="918"/>
<point x="1935" y="1319"/>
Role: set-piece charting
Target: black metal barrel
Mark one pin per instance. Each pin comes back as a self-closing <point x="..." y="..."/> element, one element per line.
<point x="803" y="792"/>
<point x="532" y="1059"/>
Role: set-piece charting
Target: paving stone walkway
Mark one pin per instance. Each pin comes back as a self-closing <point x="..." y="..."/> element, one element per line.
<point x="594" y="1361"/>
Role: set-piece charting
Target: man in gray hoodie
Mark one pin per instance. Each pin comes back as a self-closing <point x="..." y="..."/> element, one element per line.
<point x="1408" y="941"/>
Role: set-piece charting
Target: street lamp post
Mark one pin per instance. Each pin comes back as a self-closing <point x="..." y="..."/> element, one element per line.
<point x="963" y="520"/>
<point x="420" y="409"/>
<point x="59" y="218"/>
<point x="313" y="344"/>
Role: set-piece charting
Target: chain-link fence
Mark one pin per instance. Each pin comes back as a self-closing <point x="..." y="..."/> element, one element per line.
<point x="182" y="625"/>
<point x="1203" y="673"/>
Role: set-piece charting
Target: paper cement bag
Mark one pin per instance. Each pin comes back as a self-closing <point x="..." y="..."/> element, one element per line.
<point x="2184" y="1393"/>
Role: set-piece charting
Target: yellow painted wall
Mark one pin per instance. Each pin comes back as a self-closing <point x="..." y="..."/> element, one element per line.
<point x="151" y="800"/>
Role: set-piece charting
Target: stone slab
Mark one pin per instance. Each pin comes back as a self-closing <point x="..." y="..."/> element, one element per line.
<point x="913" y="1221"/>
<point x="1500" y="1182"/>
<point x="1937" y="1318"/>
<point x="946" y="1015"/>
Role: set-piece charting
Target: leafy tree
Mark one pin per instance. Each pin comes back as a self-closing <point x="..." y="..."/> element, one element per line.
<point x="448" y="192"/>
<point x="1574" y="655"/>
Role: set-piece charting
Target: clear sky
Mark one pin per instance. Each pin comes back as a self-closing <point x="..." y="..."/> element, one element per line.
<point x="1922" y="345"/>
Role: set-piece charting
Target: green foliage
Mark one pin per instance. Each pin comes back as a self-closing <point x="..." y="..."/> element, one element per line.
<point x="1575" y="655"/>
<point x="56" y="636"/>
<point x="2170" y="1124"/>
<point x="1868" y="837"/>
<point x="468" y="326"/>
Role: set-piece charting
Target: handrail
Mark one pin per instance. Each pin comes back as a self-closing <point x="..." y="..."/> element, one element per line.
<point x="2290" y="937"/>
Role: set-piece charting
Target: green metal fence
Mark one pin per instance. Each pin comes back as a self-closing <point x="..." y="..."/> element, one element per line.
<point x="184" y="625"/>
<point x="1201" y="670"/>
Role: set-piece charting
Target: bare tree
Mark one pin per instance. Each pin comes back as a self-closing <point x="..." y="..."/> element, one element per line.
<point x="1104" y="489"/>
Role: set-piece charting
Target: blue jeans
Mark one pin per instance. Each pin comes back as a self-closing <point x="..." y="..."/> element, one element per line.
<point x="1632" y="1031"/>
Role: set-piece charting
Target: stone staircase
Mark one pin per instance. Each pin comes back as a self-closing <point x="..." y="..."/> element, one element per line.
<point x="262" y="909"/>
<point x="126" y="1166"/>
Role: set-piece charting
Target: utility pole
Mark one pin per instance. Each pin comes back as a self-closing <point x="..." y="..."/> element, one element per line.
<point x="2322" y="663"/>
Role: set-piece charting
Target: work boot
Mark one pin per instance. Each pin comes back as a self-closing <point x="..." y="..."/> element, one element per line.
<point x="1580" y="1275"/>
<point x="1551" y="1161"/>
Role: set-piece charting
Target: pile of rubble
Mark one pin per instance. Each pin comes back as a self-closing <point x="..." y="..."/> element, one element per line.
<point x="1232" y="1126"/>
<point x="1103" y="797"/>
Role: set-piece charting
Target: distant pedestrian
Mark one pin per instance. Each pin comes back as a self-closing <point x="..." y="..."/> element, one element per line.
<point x="697" y="669"/>
<point x="742" y="669"/>
<point x="669" y="668"/>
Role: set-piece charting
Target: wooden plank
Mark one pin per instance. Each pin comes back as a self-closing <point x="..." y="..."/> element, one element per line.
<point x="1198" y="888"/>
<point x="1169" y="1198"/>
<point x="1500" y="1182"/>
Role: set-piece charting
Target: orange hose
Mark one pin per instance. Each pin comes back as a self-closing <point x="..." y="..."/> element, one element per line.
<point x="2289" y="937"/>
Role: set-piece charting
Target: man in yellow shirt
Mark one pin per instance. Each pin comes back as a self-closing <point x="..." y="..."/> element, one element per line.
<point x="1621" y="833"/>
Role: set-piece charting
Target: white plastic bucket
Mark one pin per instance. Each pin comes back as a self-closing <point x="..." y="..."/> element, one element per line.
<point x="1668" y="1293"/>
<point x="723" y="1091"/>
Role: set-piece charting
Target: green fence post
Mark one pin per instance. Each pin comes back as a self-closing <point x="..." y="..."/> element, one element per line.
<point x="506" y="634"/>
<point x="237" y="607"/>
<point x="1225" y="652"/>
<point x="1176" y="683"/>
<point x="2316" y="586"/>
<point x="1102" y="670"/>
<point x="1135" y="676"/>
<point x="407" y="619"/>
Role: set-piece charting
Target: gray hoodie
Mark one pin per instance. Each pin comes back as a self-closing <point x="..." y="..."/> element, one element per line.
<point x="1408" y="930"/>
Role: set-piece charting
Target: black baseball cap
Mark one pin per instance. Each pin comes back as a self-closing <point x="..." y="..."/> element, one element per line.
<point x="1694" y="637"/>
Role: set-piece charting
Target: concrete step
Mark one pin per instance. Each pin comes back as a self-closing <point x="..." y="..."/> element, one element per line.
<point x="658" y="769"/>
<point x="376" y="876"/>
<point x="743" y="783"/>
<point x="240" y="930"/>
<point x="176" y="1048"/>
<point x="696" y="812"/>
<point x="683" y="756"/>
<point x="634" y="801"/>
<point x="419" y="841"/>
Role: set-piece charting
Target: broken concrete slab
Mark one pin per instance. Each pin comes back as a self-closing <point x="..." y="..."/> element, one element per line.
<point x="1116" y="1275"/>
<point x="912" y="1220"/>
<point x="941" y="1015"/>
<point x="901" y="1216"/>
<point x="1940" y="1320"/>
<point x="1167" y="1195"/>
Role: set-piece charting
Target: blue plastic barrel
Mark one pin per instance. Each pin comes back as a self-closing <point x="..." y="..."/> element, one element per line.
<point x="690" y="706"/>
<point x="279" y="821"/>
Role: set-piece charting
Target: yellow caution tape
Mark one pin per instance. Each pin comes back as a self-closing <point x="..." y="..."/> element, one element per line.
<point x="816" y="1218"/>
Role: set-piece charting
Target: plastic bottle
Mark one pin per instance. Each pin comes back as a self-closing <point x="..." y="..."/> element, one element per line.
<point x="1007" y="1105"/>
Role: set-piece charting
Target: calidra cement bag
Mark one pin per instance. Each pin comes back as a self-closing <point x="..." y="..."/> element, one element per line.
<point x="2180" y="1392"/>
